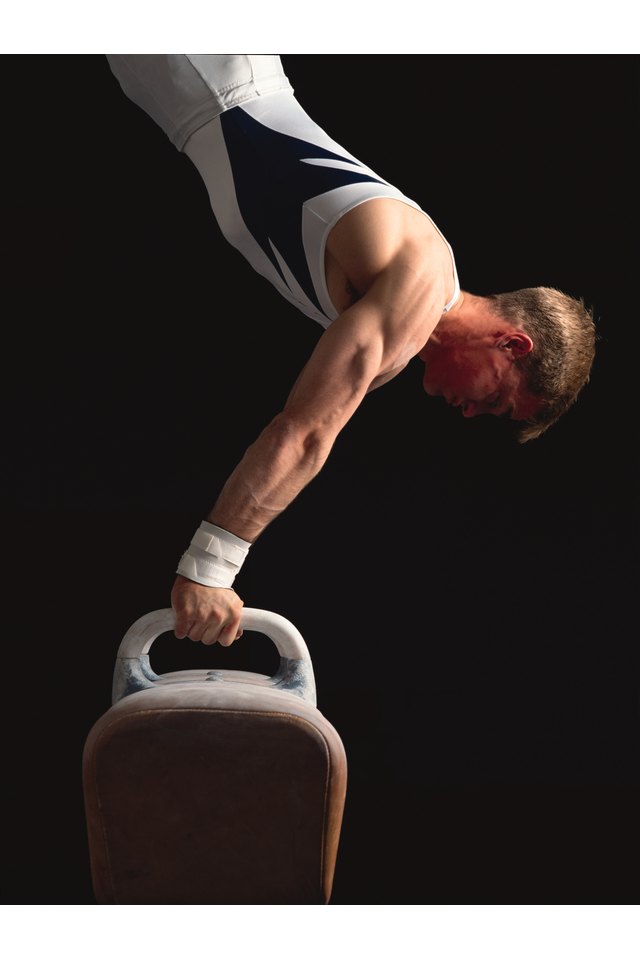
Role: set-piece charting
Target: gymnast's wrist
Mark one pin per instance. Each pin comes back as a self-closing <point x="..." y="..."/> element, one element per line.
<point x="214" y="556"/>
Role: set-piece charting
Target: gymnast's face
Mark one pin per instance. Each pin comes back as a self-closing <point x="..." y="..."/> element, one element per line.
<point x="479" y="373"/>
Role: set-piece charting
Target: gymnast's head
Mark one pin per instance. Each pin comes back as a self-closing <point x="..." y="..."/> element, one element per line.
<point x="524" y="355"/>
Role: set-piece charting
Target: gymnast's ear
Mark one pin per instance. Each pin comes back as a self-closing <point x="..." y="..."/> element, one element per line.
<point x="519" y="344"/>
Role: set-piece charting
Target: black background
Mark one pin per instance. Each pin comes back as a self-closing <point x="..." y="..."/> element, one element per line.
<point x="469" y="603"/>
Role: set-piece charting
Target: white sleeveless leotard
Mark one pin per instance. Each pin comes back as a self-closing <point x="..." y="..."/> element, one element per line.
<point x="277" y="182"/>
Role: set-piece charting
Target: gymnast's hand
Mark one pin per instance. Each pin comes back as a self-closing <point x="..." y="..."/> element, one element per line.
<point x="208" y="614"/>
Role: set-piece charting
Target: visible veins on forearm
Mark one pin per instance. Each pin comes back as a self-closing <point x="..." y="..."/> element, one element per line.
<point x="273" y="471"/>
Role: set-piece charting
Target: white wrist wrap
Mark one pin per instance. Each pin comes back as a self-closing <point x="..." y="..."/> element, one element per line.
<point x="214" y="556"/>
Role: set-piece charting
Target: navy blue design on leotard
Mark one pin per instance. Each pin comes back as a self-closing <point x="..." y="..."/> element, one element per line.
<point x="272" y="184"/>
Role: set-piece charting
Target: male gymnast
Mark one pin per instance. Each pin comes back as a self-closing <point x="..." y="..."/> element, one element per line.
<point x="370" y="266"/>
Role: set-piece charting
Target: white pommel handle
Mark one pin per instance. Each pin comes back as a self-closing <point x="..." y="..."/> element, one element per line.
<point x="133" y="671"/>
<point x="288" y="640"/>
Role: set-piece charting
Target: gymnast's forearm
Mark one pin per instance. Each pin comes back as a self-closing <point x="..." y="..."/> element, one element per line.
<point x="272" y="472"/>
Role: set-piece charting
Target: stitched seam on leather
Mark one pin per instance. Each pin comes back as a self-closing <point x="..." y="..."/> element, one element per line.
<point x="103" y="827"/>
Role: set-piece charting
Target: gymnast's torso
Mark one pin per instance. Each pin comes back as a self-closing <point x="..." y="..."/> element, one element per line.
<point x="292" y="200"/>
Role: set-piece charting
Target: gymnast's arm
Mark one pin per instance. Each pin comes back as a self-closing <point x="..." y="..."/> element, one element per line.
<point x="286" y="456"/>
<point x="367" y="340"/>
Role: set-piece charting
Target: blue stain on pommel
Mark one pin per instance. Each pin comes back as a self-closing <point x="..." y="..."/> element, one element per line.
<point x="296" y="676"/>
<point x="130" y="675"/>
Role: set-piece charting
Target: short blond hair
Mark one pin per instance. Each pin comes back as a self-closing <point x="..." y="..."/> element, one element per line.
<point x="564" y="338"/>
